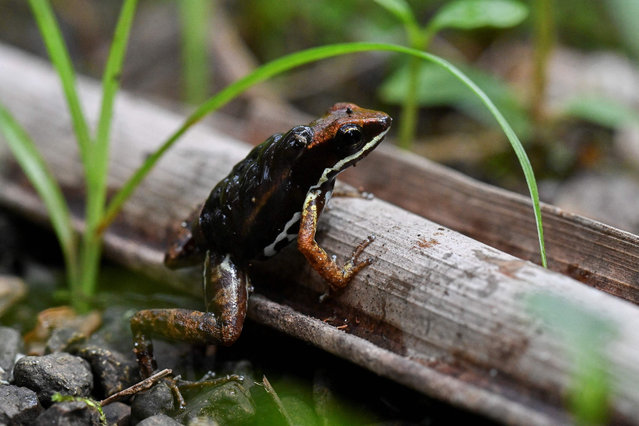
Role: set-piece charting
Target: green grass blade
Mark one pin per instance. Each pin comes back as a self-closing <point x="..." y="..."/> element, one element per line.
<point x="300" y="58"/>
<point x="59" y="56"/>
<point x="98" y="165"/>
<point x="514" y="142"/>
<point x="99" y="158"/>
<point x="112" y="74"/>
<point x="46" y="186"/>
<point x="195" y="18"/>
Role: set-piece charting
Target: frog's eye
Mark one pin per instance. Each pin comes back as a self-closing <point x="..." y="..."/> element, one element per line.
<point x="349" y="137"/>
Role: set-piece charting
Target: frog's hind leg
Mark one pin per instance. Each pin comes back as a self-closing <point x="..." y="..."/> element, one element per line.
<point x="225" y="289"/>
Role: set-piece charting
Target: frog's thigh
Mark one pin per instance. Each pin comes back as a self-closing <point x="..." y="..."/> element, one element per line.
<point x="225" y="287"/>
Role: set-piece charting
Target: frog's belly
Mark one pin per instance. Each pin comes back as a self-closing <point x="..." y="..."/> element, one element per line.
<point x="288" y="234"/>
<point x="290" y="230"/>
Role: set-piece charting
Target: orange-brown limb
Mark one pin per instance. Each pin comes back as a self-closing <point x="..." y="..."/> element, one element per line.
<point x="337" y="277"/>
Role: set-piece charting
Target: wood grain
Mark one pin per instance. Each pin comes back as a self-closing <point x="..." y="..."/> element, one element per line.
<point x="594" y="253"/>
<point x="437" y="311"/>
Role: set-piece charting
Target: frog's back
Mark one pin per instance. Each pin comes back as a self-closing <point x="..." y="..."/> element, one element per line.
<point x="252" y="207"/>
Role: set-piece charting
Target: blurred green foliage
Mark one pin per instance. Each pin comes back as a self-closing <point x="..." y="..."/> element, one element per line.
<point x="585" y="335"/>
<point x="438" y="88"/>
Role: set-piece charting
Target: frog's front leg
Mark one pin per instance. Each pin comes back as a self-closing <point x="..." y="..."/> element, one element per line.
<point x="226" y="294"/>
<point x="336" y="277"/>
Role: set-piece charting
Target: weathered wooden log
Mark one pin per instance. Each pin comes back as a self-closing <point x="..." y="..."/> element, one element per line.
<point x="437" y="311"/>
<point x="589" y="251"/>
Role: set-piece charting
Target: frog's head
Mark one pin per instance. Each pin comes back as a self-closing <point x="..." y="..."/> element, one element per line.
<point x="339" y="139"/>
<point x="346" y="134"/>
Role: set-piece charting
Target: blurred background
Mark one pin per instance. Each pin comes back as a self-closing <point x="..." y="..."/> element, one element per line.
<point x="564" y="74"/>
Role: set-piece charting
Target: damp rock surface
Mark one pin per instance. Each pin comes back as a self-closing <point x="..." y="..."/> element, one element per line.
<point x="72" y="413"/>
<point x="11" y="346"/>
<point x="18" y="405"/>
<point x="59" y="372"/>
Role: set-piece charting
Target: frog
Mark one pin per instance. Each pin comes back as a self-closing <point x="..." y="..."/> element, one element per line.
<point x="269" y="199"/>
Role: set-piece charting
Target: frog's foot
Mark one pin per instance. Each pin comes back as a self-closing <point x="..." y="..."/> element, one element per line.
<point x="172" y="383"/>
<point x="207" y="382"/>
<point x="177" y="386"/>
<point x="352" y="266"/>
<point x="358" y="251"/>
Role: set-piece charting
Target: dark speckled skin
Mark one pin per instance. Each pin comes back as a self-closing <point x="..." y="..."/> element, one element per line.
<point x="241" y="215"/>
<point x="272" y="196"/>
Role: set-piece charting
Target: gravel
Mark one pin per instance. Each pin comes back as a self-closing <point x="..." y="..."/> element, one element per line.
<point x="59" y="372"/>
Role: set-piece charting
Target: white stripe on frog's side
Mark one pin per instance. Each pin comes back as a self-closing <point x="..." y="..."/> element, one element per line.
<point x="339" y="166"/>
<point x="284" y="235"/>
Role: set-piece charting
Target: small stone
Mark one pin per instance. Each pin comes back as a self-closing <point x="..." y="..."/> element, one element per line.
<point x="62" y="339"/>
<point x="115" y="332"/>
<point x="157" y="400"/>
<point x="60" y="372"/>
<point x="18" y="405"/>
<point x="70" y="413"/>
<point x="159" y="420"/>
<point x="10" y="348"/>
<point x="112" y="370"/>
<point x="117" y="413"/>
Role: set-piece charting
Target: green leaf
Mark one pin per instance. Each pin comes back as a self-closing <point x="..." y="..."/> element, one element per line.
<point x="472" y="14"/>
<point x="623" y="14"/>
<point x="601" y="110"/>
<point x="399" y="8"/>
<point x="437" y="87"/>
<point x="44" y="183"/>
<point x="586" y="334"/>
<point x="91" y="403"/>
<point x="403" y="12"/>
<point x="583" y="327"/>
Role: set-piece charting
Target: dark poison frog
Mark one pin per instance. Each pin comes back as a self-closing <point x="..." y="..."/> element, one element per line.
<point x="270" y="198"/>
